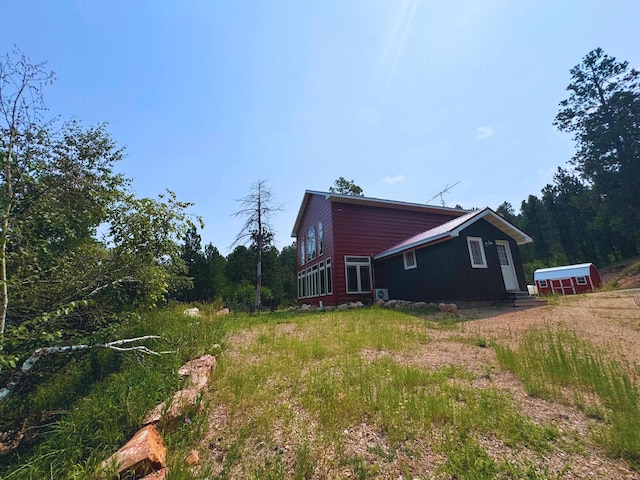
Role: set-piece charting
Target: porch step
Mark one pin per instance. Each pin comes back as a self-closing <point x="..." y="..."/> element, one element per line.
<point x="521" y="299"/>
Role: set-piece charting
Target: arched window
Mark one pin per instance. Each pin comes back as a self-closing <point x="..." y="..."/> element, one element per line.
<point x="311" y="244"/>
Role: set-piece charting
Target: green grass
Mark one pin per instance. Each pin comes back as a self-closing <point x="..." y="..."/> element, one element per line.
<point x="556" y="364"/>
<point x="343" y="369"/>
<point x="299" y="387"/>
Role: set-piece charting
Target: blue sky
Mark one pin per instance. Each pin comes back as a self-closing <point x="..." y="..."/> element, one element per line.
<point x="404" y="97"/>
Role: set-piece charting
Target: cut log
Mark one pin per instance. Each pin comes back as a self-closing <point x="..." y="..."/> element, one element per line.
<point x="144" y="453"/>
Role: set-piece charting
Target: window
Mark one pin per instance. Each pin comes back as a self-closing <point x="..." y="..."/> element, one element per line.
<point x="320" y="239"/>
<point x="322" y="284"/>
<point x="358" y="272"/>
<point x="302" y="252"/>
<point x="311" y="244"/>
<point x="543" y="283"/>
<point x="409" y="259"/>
<point x="581" y="280"/>
<point x="315" y="280"/>
<point x="476" y="252"/>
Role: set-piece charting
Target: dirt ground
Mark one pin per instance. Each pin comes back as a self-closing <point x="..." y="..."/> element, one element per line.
<point x="610" y="320"/>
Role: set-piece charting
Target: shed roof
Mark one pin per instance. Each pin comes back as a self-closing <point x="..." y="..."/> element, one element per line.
<point x="452" y="228"/>
<point x="371" y="201"/>
<point x="565" y="271"/>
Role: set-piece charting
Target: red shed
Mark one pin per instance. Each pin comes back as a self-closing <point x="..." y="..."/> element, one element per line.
<point x="568" y="279"/>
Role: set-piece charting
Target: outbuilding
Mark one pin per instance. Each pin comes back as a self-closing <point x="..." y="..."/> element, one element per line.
<point x="567" y="279"/>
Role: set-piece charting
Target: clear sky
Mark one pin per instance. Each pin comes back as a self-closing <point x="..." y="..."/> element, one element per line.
<point x="404" y="97"/>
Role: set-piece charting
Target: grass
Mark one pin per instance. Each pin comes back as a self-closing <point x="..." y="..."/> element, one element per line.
<point x="326" y="394"/>
<point x="322" y="376"/>
<point x="556" y="364"/>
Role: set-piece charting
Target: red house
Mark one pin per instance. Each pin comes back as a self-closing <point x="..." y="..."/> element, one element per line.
<point x="349" y="246"/>
<point x="568" y="279"/>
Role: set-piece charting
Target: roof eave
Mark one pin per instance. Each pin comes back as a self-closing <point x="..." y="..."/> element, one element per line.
<point x="410" y="246"/>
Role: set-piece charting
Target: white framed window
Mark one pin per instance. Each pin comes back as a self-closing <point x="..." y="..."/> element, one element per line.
<point x="581" y="280"/>
<point x="314" y="281"/>
<point x="476" y="252"/>
<point x="329" y="277"/>
<point x="543" y="283"/>
<point x="322" y="279"/>
<point x="409" y="259"/>
<point x="358" y="274"/>
<point x="320" y="239"/>
<point x="302" y="252"/>
<point x="311" y="244"/>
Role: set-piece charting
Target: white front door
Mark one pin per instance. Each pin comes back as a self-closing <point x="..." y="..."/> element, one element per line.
<point x="506" y="265"/>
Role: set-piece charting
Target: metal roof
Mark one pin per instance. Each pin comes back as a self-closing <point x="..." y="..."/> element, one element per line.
<point x="378" y="202"/>
<point x="452" y="228"/>
<point x="565" y="271"/>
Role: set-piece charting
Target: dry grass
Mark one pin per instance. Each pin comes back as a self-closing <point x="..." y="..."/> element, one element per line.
<point x="291" y="400"/>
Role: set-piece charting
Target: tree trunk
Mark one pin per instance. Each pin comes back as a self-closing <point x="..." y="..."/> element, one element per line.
<point x="259" y="243"/>
<point x="4" y="235"/>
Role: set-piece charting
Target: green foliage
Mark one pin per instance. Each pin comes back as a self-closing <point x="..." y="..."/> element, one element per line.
<point x="97" y="401"/>
<point x="346" y="187"/>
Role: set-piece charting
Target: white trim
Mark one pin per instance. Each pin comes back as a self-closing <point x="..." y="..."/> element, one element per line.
<point x="407" y="265"/>
<point x="357" y="261"/>
<point x="471" y="240"/>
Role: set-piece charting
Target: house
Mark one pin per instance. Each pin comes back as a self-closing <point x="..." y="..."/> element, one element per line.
<point x="568" y="279"/>
<point x="348" y="246"/>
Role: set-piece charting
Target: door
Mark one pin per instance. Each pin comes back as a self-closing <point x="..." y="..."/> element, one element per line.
<point x="507" y="267"/>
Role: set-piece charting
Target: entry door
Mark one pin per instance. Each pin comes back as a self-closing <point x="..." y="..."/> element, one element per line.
<point x="506" y="265"/>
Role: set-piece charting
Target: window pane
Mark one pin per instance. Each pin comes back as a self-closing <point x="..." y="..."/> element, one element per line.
<point x="357" y="259"/>
<point x="320" y="239"/>
<point x="323" y="281"/>
<point x="365" y="279"/>
<point x="502" y="254"/>
<point x="329" y="279"/>
<point x="352" y="278"/>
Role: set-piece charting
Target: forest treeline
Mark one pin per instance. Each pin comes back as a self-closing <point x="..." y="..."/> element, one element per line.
<point x="62" y="283"/>
<point x="591" y="210"/>
<point x="232" y="279"/>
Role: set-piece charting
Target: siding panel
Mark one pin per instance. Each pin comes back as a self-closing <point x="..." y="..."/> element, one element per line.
<point x="444" y="271"/>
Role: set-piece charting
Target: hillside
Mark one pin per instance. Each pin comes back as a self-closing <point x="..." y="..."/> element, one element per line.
<point x="383" y="394"/>
<point x="622" y="275"/>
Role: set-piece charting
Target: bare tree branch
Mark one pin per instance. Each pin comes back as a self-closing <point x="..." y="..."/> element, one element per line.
<point x="41" y="352"/>
<point x="257" y="207"/>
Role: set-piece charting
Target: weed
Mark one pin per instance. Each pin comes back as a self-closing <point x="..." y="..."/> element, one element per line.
<point x="549" y="361"/>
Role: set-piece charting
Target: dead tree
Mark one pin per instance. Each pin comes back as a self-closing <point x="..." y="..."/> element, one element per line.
<point x="257" y="208"/>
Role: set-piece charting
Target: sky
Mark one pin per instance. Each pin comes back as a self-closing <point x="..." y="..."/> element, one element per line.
<point x="404" y="97"/>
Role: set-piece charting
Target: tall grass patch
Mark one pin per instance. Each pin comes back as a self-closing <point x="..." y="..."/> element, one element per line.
<point x="320" y="376"/>
<point x="98" y="399"/>
<point x="556" y="364"/>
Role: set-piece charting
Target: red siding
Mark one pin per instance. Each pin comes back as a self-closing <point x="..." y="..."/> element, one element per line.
<point x="365" y="230"/>
<point x="318" y="209"/>
<point x="570" y="286"/>
<point x="360" y="230"/>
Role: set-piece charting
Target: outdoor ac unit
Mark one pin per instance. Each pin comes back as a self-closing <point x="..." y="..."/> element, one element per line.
<point x="381" y="294"/>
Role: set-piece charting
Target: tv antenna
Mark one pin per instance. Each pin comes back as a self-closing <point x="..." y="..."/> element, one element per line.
<point x="442" y="192"/>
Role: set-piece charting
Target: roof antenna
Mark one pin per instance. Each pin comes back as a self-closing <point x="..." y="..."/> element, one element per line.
<point x="442" y="192"/>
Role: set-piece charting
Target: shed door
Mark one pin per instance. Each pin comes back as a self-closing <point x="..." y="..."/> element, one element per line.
<point x="506" y="265"/>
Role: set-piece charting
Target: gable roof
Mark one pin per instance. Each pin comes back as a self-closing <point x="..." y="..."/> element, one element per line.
<point x="565" y="271"/>
<point x="371" y="201"/>
<point x="453" y="228"/>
